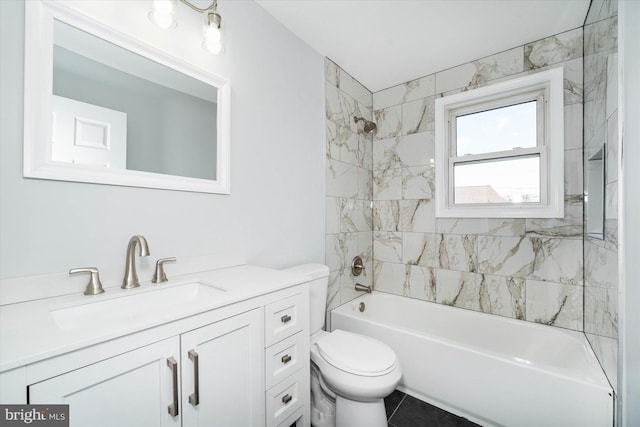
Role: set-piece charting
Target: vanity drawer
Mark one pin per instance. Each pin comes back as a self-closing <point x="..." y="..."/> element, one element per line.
<point x="285" y="398"/>
<point x="283" y="359"/>
<point x="282" y="319"/>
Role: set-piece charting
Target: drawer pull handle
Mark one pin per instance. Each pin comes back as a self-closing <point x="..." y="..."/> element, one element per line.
<point x="286" y="359"/>
<point x="285" y="319"/>
<point x="286" y="398"/>
<point x="173" y="408"/>
<point x="194" y="398"/>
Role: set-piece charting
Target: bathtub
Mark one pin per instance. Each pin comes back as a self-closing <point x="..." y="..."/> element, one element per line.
<point x="492" y="370"/>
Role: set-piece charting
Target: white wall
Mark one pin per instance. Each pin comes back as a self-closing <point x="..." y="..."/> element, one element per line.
<point x="275" y="213"/>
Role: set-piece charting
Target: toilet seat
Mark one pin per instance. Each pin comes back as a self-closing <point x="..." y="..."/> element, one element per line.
<point x="356" y="354"/>
<point x="347" y="380"/>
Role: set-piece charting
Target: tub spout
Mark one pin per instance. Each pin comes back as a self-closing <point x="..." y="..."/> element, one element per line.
<point x="363" y="288"/>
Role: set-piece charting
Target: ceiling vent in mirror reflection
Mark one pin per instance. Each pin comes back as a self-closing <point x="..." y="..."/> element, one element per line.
<point x="106" y="108"/>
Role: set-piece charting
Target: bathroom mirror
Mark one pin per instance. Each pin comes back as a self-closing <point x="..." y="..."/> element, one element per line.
<point x="594" y="195"/>
<point x="103" y="107"/>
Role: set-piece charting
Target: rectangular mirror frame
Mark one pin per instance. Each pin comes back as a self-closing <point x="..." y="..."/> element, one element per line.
<point x="38" y="83"/>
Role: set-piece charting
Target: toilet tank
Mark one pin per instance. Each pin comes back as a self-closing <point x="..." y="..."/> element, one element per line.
<point x="319" y="281"/>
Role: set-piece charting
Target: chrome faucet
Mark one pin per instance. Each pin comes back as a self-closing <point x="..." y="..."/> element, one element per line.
<point x="363" y="288"/>
<point x="130" y="277"/>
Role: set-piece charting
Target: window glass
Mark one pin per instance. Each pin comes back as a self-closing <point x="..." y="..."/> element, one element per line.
<point x="498" y="129"/>
<point x="506" y="180"/>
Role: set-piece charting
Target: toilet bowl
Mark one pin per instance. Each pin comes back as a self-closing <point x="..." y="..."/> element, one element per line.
<point x="351" y="374"/>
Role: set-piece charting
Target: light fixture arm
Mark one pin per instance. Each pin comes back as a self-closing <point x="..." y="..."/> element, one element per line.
<point x="211" y="8"/>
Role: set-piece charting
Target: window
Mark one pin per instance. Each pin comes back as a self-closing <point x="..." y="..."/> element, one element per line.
<point x="499" y="150"/>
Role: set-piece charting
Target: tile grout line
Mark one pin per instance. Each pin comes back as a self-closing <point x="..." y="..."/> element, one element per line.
<point x="397" y="407"/>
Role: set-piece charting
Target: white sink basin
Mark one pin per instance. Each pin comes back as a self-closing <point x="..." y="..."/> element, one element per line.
<point x="134" y="307"/>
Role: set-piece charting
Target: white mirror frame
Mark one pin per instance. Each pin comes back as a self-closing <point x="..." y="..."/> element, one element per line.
<point x="38" y="83"/>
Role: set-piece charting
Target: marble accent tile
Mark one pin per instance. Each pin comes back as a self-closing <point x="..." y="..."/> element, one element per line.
<point x="341" y="179"/>
<point x="387" y="184"/>
<point x="611" y="154"/>
<point x="420" y="283"/>
<point x="334" y="253"/>
<point x="448" y="251"/>
<point x="601" y="311"/>
<point x="389" y="122"/>
<point x="365" y="183"/>
<point x="418" y="215"/>
<point x="486" y="226"/>
<point x="612" y="84"/>
<point x="342" y="143"/>
<point x="606" y="350"/>
<point x="421" y="249"/>
<point x="418" y="116"/>
<point x="556" y="260"/>
<point x="365" y="151"/>
<point x="569" y="227"/>
<point x="475" y="73"/>
<point x="365" y="247"/>
<point x="458" y="289"/>
<point x="331" y="72"/>
<point x="554" y="304"/>
<point x="552" y="50"/>
<point x="339" y="107"/>
<point x="332" y="215"/>
<point x="594" y="122"/>
<point x="573" y="177"/>
<point x="355" y="89"/>
<point x="355" y="215"/>
<point x="387" y="246"/>
<point x="573" y="79"/>
<point x="611" y="233"/>
<point x="458" y="252"/>
<point x="611" y="202"/>
<point x="409" y="150"/>
<point x="601" y="35"/>
<point x="418" y="182"/>
<point x="389" y="277"/>
<point x="602" y="9"/>
<point x="386" y="215"/>
<point x="333" y="290"/>
<point x="504" y="296"/>
<point x="409" y="91"/>
<point x="595" y="80"/>
<point x="573" y="127"/>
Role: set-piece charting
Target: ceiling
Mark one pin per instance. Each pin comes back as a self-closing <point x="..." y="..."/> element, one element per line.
<point x="383" y="43"/>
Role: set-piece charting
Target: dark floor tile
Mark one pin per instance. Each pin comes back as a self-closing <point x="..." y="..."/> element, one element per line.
<point x="392" y="401"/>
<point x="416" y="413"/>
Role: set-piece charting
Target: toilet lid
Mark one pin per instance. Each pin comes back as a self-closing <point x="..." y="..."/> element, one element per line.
<point x="357" y="354"/>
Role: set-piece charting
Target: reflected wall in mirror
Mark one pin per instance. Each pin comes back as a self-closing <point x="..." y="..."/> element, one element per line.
<point x="594" y="195"/>
<point x="104" y="108"/>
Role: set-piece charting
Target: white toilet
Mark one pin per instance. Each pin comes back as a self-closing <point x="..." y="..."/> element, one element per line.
<point x="351" y="374"/>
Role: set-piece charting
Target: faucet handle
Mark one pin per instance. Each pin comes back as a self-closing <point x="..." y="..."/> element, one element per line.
<point x="159" y="275"/>
<point x="94" y="287"/>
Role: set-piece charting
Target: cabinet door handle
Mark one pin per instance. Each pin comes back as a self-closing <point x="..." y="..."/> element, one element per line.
<point x="286" y="398"/>
<point x="286" y="359"/>
<point x="173" y="408"/>
<point x="285" y="319"/>
<point x="194" y="398"/>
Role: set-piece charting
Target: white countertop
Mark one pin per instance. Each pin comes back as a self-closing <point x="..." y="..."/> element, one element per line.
<point x="29" y="332"/>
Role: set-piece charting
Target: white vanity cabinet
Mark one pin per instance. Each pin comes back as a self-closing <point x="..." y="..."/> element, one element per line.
<point x="222" y="372"/>
<point x="132" y="389"/>
<point x="217" y="381"/>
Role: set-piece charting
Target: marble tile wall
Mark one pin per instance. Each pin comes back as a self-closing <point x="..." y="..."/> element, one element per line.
<point x="349" y="156"/>
<point x="529" y="269"/>
<point x="601" y="127"/>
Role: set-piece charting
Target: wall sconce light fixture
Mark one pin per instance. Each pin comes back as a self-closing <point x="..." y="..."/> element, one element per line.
<point x="164" y="13"/>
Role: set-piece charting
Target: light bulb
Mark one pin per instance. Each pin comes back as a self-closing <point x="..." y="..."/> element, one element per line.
<point x="163" y="13"/>
<point x="211" y="33"/>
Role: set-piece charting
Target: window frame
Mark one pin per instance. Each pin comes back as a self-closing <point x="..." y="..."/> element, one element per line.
<point x="546" y="88"/>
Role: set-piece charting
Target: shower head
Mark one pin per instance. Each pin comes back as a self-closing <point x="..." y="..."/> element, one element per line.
<point x="364" y="125"/>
